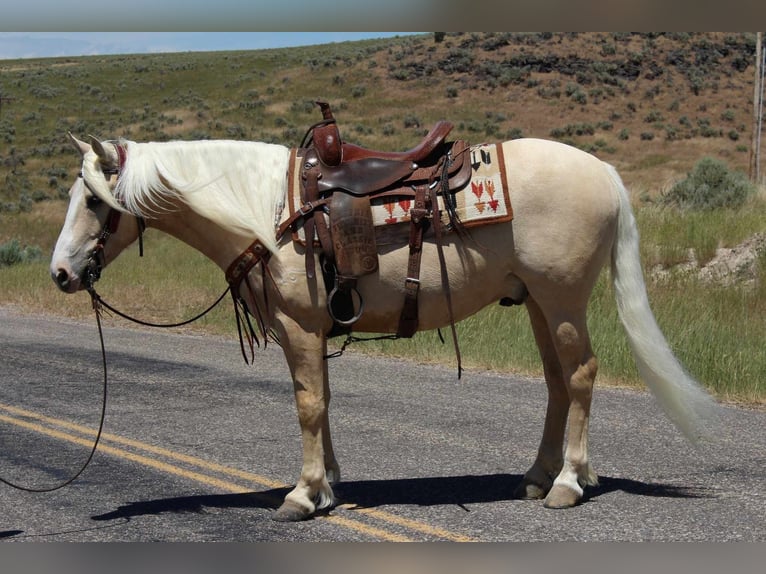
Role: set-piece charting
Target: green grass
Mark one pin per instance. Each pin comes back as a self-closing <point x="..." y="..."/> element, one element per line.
<point x="718" y="334"/>
<point x="668" y="233"/>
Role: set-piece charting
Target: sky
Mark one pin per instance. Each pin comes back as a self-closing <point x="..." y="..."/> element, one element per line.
<point x="217" y="15"/>
<point x="40" y="28"/>
<point x="15" y="45"/>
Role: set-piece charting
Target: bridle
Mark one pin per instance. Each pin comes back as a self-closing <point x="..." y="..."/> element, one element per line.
<point x="97" y="261"/>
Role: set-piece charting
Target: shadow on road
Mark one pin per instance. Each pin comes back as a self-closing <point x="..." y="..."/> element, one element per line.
<point x="453" y="490"/>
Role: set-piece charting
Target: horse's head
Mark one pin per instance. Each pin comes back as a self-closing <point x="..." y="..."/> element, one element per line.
<point x="94" y="232"/>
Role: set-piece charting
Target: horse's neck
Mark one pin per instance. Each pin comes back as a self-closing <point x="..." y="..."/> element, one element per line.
<point x="217" y="244"/>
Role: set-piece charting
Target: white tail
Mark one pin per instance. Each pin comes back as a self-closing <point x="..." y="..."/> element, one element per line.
<point x="685" y="402"/>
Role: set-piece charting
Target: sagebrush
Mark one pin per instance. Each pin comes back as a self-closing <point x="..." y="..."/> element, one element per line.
<point x="710" y="185"/>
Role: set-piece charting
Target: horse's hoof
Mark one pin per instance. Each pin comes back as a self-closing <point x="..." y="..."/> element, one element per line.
<point x="561" y="497"/>
<point x="534" y="486"/>
<point x="290" y="512"/>
<point x="529" y="491"/>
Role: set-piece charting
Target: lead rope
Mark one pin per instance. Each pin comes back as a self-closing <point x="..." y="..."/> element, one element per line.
<point x="98" y="305"/>
<point x="97" y="310"/>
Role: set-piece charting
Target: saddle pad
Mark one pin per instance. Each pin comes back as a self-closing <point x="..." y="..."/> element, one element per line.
<point x="484" y="200"/>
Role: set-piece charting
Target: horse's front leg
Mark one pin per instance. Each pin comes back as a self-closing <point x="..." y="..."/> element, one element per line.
<point x="305" y="356"/>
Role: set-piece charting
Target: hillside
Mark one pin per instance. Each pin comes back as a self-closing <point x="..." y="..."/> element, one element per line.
<point x="652" y="104"/>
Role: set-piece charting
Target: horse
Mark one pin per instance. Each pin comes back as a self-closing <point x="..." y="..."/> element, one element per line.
<point x="571" y="216"/>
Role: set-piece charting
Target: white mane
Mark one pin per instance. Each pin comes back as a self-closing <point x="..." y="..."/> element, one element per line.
<point x="238" y="185"/>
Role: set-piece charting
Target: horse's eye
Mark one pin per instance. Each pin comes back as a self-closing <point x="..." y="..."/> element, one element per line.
<point x="93" y="201"/>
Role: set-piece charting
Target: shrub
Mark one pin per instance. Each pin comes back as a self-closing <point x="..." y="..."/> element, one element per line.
<point x="580" y="97"/>
<point x="569" y="130"/>
<point x="411" y="122"/>
<point x="653" y="117"/>
<point x="710" y="185"/>
<point x="12" y="253"/>
<point x="671" y="133"/>
<point x="458" y="61"/>
<point x="401" y="74"/>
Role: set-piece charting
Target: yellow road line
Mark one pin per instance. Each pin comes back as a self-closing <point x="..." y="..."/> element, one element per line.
<point x="202" y="478"/>
<point x="222" y="484"/>
<point x="414" y="525"/>
<point x="221" y="469"/>
<point x="261" y="480"/>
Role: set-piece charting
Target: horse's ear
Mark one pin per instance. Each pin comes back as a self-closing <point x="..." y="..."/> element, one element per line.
<point x="80" y="146"/>
<point x="101" y="152"/>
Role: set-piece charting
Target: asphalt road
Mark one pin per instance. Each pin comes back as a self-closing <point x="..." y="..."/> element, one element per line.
<point x="199" y="446"/>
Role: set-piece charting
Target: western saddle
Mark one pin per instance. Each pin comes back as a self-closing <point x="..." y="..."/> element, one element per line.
<point x="338" y="182"/>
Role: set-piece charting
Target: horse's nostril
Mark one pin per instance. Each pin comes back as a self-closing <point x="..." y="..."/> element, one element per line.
<point x="62" y="278"/>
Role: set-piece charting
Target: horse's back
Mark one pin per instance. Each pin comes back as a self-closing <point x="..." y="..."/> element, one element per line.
<point x="549" y="168"/>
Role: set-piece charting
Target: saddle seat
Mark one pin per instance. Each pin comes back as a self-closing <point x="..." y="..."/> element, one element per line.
<point x="362" y="172"/>
<point x="434" y="138"/>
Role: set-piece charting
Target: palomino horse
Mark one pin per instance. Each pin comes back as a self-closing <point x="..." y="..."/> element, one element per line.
<point x="571" y="216"/>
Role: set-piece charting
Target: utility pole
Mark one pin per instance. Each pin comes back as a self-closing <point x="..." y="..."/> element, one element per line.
<point x="755" y="147"/>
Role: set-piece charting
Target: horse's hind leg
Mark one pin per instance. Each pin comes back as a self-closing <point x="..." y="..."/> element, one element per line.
<point x="570" y="371"/>
<point x="569" y="332"/>
<point x="538" y="480"/>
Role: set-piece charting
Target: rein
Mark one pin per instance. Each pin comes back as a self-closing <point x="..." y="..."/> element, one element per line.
<point x="99" y="302"/>
<point x="93" y="274"/>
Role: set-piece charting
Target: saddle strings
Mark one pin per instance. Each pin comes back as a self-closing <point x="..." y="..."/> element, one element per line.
<point x="443" y="264"/>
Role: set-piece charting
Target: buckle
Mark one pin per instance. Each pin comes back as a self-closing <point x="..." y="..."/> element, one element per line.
<point x="411" y="287"/>
<point x="306" y="208"/>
